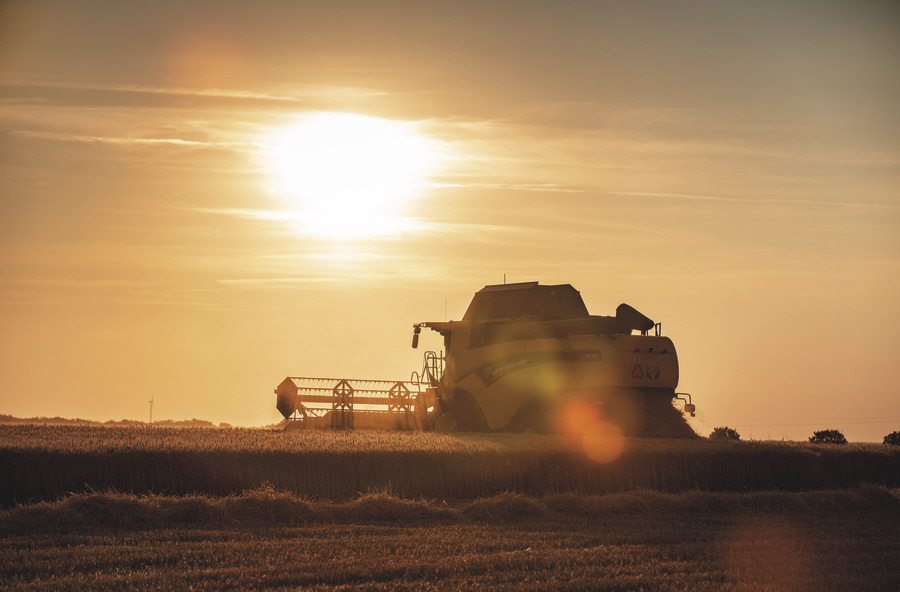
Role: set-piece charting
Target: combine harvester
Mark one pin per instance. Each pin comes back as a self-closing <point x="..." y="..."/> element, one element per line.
<point x="520" y="357"/>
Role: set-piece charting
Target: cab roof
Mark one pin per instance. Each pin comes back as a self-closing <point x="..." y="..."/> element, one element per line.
<point x="526" y="300"/>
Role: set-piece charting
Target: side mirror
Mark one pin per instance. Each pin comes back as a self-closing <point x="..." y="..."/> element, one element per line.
<point x="416" y="332"/>
<point x="688" y="406"/>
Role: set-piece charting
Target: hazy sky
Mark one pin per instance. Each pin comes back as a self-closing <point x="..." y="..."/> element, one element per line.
<point x="731" y="169"/>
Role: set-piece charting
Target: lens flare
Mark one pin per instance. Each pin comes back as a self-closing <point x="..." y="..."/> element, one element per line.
<point x="576" y="417"/>
<point x="603" y="442"/>
<point x="584" y="422"/>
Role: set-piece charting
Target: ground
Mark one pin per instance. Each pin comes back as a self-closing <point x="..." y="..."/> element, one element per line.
<point x="510" y="542"/>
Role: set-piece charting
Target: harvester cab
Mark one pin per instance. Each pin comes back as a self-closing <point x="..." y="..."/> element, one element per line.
<point x="519" y="357"/>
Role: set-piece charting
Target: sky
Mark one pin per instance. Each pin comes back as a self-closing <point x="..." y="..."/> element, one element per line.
<point x="183" y="218"/>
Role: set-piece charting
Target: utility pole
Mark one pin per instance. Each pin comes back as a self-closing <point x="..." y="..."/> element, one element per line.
<point x="151" y="406"/>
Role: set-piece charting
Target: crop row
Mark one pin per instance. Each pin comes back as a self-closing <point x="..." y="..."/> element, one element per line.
<point x="267" y="507"/>
<point x="459" y="468"/>
<point x="67" y="438"/>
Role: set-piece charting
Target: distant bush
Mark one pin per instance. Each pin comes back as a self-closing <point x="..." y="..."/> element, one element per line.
<point x="893" y="439"/>
<point x="724" y="433"/>
<point x="828" y="437"/>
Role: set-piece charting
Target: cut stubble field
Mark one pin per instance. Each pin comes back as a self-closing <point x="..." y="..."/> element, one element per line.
<point x="496" y="532"/>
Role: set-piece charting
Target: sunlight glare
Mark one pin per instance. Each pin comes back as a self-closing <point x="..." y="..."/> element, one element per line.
<point x="583" y="422"/>
<point x="349" y="176"/>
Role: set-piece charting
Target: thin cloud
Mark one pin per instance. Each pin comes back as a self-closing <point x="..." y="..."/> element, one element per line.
<point x="280" y="281"/>
<point x="538" y="187"/>
<point x="159" y="90"/>
<point x="80" y="283"/>
<point x="305" y="94"/>
<point x="251" y="214"/>
<point x="62" y="137"/>
<point x="293" y="216"/>
<point x="509" y="234"/>
<point x="753" y="200"/>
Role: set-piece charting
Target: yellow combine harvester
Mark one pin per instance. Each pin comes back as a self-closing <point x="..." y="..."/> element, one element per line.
<point x="520" y="356"/>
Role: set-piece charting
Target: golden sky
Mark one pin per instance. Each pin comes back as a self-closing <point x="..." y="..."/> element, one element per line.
<point x="731" y="169"/>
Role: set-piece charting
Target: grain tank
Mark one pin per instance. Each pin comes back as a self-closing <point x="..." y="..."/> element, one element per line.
<point x="523" y="352"/>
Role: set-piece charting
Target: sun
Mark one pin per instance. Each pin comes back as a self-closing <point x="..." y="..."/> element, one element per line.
<point x="349" y="176"/>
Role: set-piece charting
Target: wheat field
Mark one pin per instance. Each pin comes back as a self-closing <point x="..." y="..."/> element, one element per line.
<point x="111" y="508"/>
<point x="43" y="463"/>
<point x="266" y="539"/>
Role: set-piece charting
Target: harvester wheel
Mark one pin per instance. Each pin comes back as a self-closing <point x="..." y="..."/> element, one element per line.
<point x="445" y="424"/>
<point x="534" y="417"/>
<point x="294" y="425"/>
<point x="467" y="412"/>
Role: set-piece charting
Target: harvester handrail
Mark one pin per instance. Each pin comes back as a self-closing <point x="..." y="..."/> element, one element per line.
<point x="364" y="387"/>
<point x="349" y="380"/>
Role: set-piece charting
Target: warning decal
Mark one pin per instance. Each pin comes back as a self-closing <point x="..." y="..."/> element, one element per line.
<point x="637" y="372"/>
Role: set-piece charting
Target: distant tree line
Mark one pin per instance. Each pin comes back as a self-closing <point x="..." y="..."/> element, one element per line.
<point x="830" y="436"/>
<point x="167" y="423"/>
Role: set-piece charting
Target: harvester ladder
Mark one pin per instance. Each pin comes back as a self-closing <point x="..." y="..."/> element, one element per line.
<point x="434" y="368"/>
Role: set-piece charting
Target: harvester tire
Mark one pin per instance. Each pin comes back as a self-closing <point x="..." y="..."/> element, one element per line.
<point x="294" y="425"/>
<point x="534" y="417"/>
<point x="468" y="414"/>
<point x="445" y="424"/>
